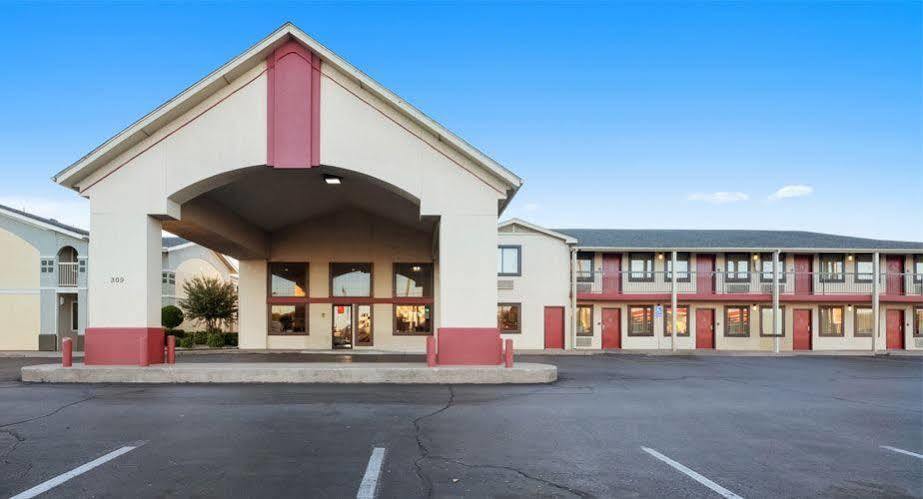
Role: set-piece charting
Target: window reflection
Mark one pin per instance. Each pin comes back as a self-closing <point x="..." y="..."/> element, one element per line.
<point x="288" y="279"/>
<point x="413" y="280"/>
<point x="351" y="279"/>
<point x="285" y="319"/>
<point x="413" y="319"/>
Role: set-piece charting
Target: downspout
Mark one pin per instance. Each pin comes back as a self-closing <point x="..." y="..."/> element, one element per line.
<point x="673" y="310"/>
<point x="876" y="292"/>
<point x="573" y="298"/>
<point x="776" y="312"/>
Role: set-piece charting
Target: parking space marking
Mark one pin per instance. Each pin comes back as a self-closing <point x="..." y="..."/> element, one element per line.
<point x="902" y="451"/>
<point x="369" y="486"/>
<point x="58" y="480"/>
<point x="692" y="474"/>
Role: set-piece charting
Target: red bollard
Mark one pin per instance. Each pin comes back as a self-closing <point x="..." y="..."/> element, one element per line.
<point x="508" y="353"/>
<point x="171" y="349"/>
<point x="430" y="351"/>
<point x="67" y="357"/>
<point x="142" y="352"/>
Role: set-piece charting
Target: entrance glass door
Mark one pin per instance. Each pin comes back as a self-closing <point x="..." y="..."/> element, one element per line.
<point x="352" y="325"/>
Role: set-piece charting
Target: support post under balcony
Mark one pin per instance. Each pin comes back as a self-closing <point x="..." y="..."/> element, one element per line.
<point x="673" y="305"/>
<point x="876" y="292"/>
<point x="573" y="299"/>
<point x="776" y="312"/>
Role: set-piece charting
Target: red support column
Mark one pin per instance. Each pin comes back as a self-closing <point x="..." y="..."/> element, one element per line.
<point x="67" y="357"/>
<point x="508" y="353"/>
<point x="430" y="351"/>
<point x="171" y="349"/>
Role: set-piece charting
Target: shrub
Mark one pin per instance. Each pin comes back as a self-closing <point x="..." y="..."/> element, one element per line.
<point x="179" y="333"/>
<point x="200" y="337"/>
<point x="210" y="300"/>
<point x="215" y="340"/>
<point x="185" y="342"/>
<point x="230" y="339"/>
<point x="171" y="317"/>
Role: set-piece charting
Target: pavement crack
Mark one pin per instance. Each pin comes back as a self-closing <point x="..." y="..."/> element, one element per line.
<point x="422" y="448"/>
<point x="48" y="414"/>
<point x="576" y="492"/>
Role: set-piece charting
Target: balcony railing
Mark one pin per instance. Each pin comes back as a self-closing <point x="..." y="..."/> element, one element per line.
<point x="747" y="283"/>
<point x="67" y="274"/>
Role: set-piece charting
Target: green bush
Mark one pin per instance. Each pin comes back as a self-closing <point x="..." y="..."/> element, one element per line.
<point x="215" y="340"/>
<point x="171" y="316"/>
<point x="179" y="333"/>
<point x="230" y="339"/>
<point x="200" y="337"/>
<point x="210" y="300"/>
<point x="185" y="342"/>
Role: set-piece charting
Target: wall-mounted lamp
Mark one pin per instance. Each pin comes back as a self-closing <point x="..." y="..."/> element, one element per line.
<point x="660" y="256"/>
<point x="849" y="308"/>
<point x="332" y="179"/>
<point x="756" y="256"/>
<point x="849" y="257"/>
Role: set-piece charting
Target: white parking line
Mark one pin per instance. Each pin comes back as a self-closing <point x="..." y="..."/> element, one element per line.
<point x="902" y="451"/>
<point x="692" y="474"/>
<point x="369" y="486"/>
<point x="58" y="480"/>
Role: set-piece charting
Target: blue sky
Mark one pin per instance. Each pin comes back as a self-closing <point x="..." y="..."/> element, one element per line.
<point x="626" y="115"/>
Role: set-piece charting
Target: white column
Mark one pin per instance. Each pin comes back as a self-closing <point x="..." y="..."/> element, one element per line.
<point x="673" y="309"/>
<point x="776" y="311"/>
<point x="468" y="270"/>
<point x="876" y="292"/>
<point x="253" y="313"/>
<point x="572" y="337"/>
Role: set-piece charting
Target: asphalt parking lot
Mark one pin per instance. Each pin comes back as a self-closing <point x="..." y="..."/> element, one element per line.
<point x="750" y="426"/>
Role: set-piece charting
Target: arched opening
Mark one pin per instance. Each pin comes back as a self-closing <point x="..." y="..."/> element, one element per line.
<point x="67" y="267"/>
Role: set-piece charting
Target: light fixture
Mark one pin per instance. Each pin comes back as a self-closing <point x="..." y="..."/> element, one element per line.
<point x="849" y="307"/>
<point x="416" y="268"/>
<point x="660" y="256"/>
<point x="332" y="179"/>
<point x="756" y="256"/>
<point x="849" y="257"/>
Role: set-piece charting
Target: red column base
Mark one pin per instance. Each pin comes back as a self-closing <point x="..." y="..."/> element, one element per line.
<point x="469" y="346"/>
<point x="123" y="346"/>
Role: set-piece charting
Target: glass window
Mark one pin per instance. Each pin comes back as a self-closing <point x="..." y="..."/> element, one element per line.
<point x="509" y="260"/>
<point x="737" y="321"/>
<point x="738" y="267"/>
<point x="584" y="320"/>
<point x="832" y="268"/>
<point x="351" y="279"/>
<point x="585" y="267"/>
<point x="364" y="325"/>
<point x="766" y="325"/>
<point x="413" y="319"/>
<point x="413" y="280"/>
<point x="74" y="322"/>
<point x="863" y="320"/>
<point x="641" y="266"/>
<point x="682" y="319"/>
<point x="682" y="267"/>
<point x="288" y="279"/>
<point x="641" y="320"/>
<point x="918" y="322"/>
<point x="508" y="317"/>
<point x="287" y="319"/>
<point x="864" y="269"/>
<point x="766" y="267"/>
<point x="831" y="321"/>
<point x="918" y="268"/>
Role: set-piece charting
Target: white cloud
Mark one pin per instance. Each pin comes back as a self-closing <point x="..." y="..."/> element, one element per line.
<point x="720" y="197"/>
<point x="75" y="211"/>
<point x="792" y="191"/>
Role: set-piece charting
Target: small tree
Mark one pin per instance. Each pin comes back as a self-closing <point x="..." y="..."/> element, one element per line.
<point x="211" y="301"/>
<point x="171" y="317"/>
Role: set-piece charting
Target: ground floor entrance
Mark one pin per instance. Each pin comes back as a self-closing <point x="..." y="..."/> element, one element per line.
<point x="895" y="330"/>
<point x="705" y="328"/>
<point x="352" y="325"/>
<point x="801" y="338"/>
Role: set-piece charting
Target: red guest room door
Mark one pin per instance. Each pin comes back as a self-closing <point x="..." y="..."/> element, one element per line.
<point x="803" y="276"/>
<point x="554" y="327"/>
<point x="612" y="277"/>
<point x="895" y="284"/>
<point x="612" y="328"/>
<point x="705" y="274"/>
<point x="895" y="330"/>
<point x="705" y="328"/>
<point x="801" y="338"/>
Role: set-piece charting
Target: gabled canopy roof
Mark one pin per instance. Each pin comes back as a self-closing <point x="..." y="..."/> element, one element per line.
<point x="239" y="65"/>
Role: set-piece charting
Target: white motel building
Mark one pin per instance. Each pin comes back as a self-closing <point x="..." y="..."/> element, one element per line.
<point x="359" y="222"/>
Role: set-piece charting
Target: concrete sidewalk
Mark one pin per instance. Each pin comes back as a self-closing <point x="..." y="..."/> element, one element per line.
<point x="293" y="372"/>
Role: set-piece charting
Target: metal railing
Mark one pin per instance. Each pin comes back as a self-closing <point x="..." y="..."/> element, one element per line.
<point x="628" y="282"/>
<point x="67" y="274"/>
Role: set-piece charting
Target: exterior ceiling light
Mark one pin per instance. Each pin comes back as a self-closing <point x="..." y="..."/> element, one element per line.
<point x="332" y="179"/>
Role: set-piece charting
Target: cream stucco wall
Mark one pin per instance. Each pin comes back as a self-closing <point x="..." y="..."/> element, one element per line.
<point x="19" y="293"/>
<point x="545" y="282"/>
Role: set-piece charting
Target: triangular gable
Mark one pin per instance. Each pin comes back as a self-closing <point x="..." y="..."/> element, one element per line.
<point x="535" y="228"/>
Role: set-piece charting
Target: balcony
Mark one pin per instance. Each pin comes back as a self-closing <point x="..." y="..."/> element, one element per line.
<point x="67" y="274"/>
<point x="755" y="285"/>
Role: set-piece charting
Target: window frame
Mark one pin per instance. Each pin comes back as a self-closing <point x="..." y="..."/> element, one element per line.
<point x="586" y="256"/>
<point x="680" y="257"/>
<point x="629" y="331"/>
<point x="917" y="322"/>
<point x="831" y="277"/>
<point x="307" y="279"/>
<point x="766" y="277"/>
<point x="918" y="268"/>
<point x="727" y="322"/>
<point x="330" y="278"/>
<point x="864" y="277"/>
<point x="307" y="316"/>
<point x="432" y="319"/>
<point x="666" y="333"/>
<point x="430" y="285"/>
<point x="647" y="274"/>
<point x="75" y="316"/>
<point x="855" y="322"/>
<point x="781" y="316"/>
<point x="592" y="313"/>
<point x="518" y="307"/>
<point x="820" y="321"/>
<point x="736" y="258"/>
<point x="518" y="248"/>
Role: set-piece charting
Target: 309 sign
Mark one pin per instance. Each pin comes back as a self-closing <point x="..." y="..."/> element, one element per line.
<point x="116" y="280"/>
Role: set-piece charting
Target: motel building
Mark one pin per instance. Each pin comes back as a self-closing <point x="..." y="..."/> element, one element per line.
<point x="360" y="223"/>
